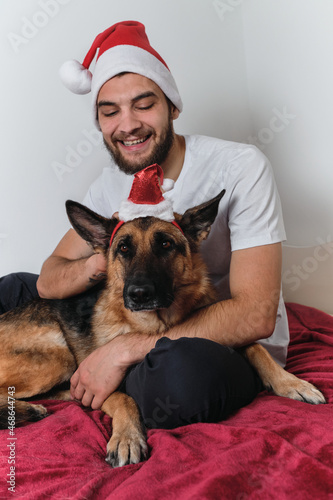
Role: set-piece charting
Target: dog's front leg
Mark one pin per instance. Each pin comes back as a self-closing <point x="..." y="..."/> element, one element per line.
<point x="281" y="382"/>
<point x="128" y="441"/>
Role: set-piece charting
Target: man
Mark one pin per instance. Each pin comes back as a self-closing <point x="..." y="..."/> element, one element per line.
<point x="193" y="374"/>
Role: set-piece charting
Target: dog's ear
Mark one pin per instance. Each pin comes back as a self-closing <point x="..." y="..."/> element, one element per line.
<point x="196" y="222"/>
<point x="93" y="228"/>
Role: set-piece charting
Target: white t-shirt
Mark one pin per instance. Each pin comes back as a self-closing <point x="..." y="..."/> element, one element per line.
<point x="249" y="213"/>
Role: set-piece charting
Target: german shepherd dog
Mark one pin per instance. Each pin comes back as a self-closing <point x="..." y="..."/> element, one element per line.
<point x="155" y="279"/>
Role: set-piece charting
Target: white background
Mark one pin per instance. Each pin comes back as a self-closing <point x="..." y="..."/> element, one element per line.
<point x="239" y="65"/>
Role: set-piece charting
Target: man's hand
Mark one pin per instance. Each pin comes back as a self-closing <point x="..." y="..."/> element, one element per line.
<point x="98" y="376"/>
<point x="71" y="269"/>
<point x="96" y="268"/>
<point x="101" y="373"/>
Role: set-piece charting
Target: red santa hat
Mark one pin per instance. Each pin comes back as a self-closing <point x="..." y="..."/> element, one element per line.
<point x="124" y="47"/>
<point x="146" y="198"/>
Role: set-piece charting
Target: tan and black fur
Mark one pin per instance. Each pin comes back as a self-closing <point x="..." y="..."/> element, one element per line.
<point x="155" y="279"/>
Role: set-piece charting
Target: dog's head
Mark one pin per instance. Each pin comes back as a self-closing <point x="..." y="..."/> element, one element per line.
<point x="149" y="258"/>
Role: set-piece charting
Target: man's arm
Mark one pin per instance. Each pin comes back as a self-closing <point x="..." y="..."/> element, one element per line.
<point x="255" y="280"/>
<point x="72" y="268"/>
<point x="250" y="315"/>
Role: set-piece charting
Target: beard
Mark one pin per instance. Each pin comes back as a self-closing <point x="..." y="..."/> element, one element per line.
<point x="158" y="155"/>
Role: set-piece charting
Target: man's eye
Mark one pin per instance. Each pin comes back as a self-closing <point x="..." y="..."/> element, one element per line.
<point x="112" y="113"/>
<point x="143" y="108"/>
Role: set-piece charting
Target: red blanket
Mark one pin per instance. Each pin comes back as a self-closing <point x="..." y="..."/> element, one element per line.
<point x="273" y="448"/>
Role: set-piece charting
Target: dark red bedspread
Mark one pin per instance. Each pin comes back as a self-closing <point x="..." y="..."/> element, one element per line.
<point x="273" y="449"/>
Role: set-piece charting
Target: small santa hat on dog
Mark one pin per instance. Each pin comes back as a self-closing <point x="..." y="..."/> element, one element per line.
<point x="146" y="198"/>
<point x="124" y="47"/>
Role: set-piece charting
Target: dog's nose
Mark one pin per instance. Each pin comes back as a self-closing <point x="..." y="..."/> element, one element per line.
<point x="141" y="294"/>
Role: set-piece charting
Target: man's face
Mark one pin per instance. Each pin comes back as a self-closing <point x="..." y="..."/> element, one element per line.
<point x="136" y="121"/>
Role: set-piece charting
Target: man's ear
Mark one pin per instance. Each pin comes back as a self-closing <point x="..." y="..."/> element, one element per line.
<point x="196" y="222"/>
<point x="93" y="228"/>
<point x="175" y="113"/>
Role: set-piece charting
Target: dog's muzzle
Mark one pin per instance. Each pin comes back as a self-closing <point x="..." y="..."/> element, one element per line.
<point x="143" y="295"/>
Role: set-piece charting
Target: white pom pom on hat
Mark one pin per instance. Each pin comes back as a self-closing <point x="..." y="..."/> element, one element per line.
<point x="124" y="47"/>
<point x="76" y="77"/>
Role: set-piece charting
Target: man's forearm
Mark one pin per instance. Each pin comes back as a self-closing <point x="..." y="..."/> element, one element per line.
<point x="233" y="322"/>
<point x="250" y="315"/>
<point x="61" y="278"/>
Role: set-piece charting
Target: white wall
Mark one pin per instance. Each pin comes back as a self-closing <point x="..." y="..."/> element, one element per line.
<point x="41" y="123"/>
<point x="288" y="52"/>
<point x="288" y="46"/>
<point x="239" y="65"/>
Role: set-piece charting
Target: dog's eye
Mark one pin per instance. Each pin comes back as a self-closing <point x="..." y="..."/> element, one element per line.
<point x="125" y="247"/>
<point x="163" y="244"/>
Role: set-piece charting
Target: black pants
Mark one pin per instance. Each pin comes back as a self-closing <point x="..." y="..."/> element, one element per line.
<point x="180" y="381"/>
<point x="17" y="289"/>
<point x="190" y="380"/>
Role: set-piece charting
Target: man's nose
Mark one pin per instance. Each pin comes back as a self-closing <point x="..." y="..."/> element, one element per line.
<point x="129" y="122"/>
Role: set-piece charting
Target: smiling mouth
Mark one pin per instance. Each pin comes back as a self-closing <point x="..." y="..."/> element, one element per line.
<point x="135" y="142"/>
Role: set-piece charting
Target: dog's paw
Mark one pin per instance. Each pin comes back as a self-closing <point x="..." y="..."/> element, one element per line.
<point x="294" y="388"/>
<point x="28" y="412"/>
<point x="38" y="412"/>
<point x="130" y="447"/>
